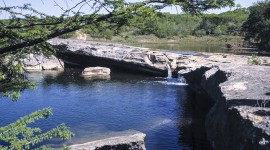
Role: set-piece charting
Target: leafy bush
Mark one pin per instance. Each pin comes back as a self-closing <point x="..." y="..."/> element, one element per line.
<point x="166" y="29"/>
<point x="67" y="35"/>
<point x="200" y="32"/>
<point x="217" y="31"/>
<point x="18" y="135"/>
<point x="107" y="34"/>
<point x="255" y="60"/>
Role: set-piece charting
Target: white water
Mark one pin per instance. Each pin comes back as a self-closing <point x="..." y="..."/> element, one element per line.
<point x="173" y="81"/>
<point x="160" y="122"/>
<point x="176" y="83"/>
<point x="169" y="72"/>
<point x="181" y="79"/>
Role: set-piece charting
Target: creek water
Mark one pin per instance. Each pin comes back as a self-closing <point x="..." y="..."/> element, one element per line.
<point x="190" y="47"/>
<point x="96" y="109"/>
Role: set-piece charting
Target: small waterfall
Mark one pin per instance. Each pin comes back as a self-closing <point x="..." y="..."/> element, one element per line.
<point x="181" y="79"/>
<point x="169" y="71"/>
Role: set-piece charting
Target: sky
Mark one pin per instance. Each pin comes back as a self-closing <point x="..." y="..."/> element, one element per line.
<point x="51" y="8"/>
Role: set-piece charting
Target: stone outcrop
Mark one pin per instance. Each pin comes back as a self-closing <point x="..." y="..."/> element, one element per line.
<point x="96" y="72"/>
<point x="114" y="56"/>
<point x="34" y="62"/>
<point x="129" y="142"/>
<point x="240" y="91"/>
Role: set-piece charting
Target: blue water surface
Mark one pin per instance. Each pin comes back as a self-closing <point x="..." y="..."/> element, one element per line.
<point x="96" y="109"/>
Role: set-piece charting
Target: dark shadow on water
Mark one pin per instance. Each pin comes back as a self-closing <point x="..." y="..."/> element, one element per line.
<point x="192" y="131"/>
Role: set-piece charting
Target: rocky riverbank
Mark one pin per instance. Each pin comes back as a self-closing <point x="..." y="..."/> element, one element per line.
<point x="239" y="90"/>
<point x="240" y="116"/>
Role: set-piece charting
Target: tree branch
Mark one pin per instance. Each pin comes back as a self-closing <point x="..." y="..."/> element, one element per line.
<point x="15" y="47"/>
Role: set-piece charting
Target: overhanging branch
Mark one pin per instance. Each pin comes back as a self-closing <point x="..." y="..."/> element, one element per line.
<point x="15" y="47"/>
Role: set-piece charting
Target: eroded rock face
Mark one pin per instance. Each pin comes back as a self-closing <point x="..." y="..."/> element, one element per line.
<point x="34" y="62"/>
<point x="129" y="142"/>
<point x="96" y="72"/>
<point x="240" y="118"/>
<point x="115" y="56"/>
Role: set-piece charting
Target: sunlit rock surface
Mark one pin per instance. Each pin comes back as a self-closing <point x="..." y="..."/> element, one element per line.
<point x="96" y="73"/>
<point x="240" y="91"/>
<point x="34" y="62"/>
<point x="114" y="56"/>
<point x="128" y="142"/>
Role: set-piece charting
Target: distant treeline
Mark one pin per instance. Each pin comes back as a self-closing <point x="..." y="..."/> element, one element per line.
<point x="252" y="23"/>
<point x="170" y="25"/>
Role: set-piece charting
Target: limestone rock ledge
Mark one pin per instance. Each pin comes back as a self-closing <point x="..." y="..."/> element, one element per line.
<point x="240" y="116"/>
<point x="114" y="56"/>
<point x="129" y="142"/>
<point x="34" y="62"/>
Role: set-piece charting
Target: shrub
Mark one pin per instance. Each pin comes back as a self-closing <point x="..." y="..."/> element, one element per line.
<point x="200" y="32"/>
<point x="255" y="60"/>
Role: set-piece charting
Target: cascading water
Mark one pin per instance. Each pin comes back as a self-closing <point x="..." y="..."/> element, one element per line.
<point x="169" y="72"/>
<point x="181" y="79"/>
<point x="173" y="81"/>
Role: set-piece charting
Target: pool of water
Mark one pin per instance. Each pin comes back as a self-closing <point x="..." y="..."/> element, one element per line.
<point x="191" y="47"/>
<point x="188" y="46"/>
<point x="96" y="109"/>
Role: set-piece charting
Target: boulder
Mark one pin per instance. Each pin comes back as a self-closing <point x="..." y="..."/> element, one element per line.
<point x="129" y="142"/>
<point x="96" y="72"/>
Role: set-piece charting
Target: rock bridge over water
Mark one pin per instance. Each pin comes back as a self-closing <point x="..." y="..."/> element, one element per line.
<point x="76" y="53"/>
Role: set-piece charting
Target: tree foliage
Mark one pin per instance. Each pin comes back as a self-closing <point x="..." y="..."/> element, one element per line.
<point x="227" y="23"/>
<point x="166" y="25"/>
<point x="257" y="26"/>
<point x="196" y="7"/>
<point x="18" y="135"/>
